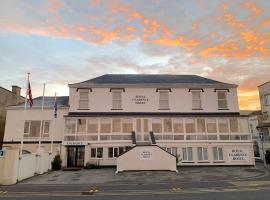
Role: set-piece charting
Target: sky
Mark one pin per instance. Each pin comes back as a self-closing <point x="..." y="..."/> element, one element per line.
<point x="67" y="41"/>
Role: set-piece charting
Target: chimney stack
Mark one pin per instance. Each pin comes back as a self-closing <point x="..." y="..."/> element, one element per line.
<point x="16" y="90"/>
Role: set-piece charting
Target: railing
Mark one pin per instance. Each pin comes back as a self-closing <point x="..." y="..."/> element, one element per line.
<point x="152" y="136"/>
<point x="133" y="137"/>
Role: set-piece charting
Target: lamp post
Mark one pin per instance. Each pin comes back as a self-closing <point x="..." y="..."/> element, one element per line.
<point x="261" y="134"/>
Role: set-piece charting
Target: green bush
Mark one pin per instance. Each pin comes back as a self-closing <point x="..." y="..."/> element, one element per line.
<point x="56" y="163"/>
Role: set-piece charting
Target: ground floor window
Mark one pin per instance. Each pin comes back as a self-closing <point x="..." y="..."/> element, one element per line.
<point x="114" y="152"/>
<point x="187" y="154"/>
<point x="97" y="152"/>
<point x="218" y="153"/>
<point x="202" y="153"/>
<point x="171" y="150"/>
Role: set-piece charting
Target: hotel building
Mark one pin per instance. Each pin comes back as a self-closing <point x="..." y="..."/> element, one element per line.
<point x="193" y="118"/>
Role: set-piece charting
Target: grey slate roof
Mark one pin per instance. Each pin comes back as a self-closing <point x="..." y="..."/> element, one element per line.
<point x="135" y="79"/>
<point x="62" y="101"/>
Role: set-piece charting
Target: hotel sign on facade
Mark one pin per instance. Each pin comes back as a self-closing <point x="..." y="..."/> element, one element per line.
<point x="146" y="154"/>
<point x="140" y="99"/>
<point x="238" y="154"/>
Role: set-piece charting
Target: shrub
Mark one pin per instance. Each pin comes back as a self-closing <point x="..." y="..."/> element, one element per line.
<point x="56" y="163"/>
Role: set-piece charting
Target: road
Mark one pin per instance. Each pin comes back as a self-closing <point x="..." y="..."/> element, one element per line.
<point x="260" y="194"/>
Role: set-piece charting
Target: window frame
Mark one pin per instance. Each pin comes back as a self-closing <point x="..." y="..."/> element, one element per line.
<point x="187" y="154"/>
<point x="196" y="100"/>
<point x="267" y="99"/>
<point x="167" y="100"/>
<point x="225" y="99"/>
<point x="83" y="100"/>
<point x="116" y="100"/>
<point x="96" y="153"/>
<point x="204" y="158"/>
<point x="218" y="154"/>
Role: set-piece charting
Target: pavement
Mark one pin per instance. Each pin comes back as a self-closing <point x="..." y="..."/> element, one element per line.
<point x="104" y="183"/>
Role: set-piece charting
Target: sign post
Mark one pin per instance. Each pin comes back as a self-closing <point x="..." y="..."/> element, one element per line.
<point x="261" y="134"/>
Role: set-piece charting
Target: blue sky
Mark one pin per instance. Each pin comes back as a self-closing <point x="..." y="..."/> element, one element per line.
<point x="66" y="41"/>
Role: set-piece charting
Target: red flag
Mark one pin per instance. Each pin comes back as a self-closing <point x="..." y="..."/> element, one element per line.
<point x="29" y="93"/>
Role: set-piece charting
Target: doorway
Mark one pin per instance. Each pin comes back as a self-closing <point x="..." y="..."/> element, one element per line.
<point x="75" y="156"/>
<point x="142" y="130"/>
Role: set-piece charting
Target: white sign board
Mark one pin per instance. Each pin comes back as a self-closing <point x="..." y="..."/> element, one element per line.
<point x="238" y="154"/>
<point x="74" y="143"/>
<point x="146" y="154"/>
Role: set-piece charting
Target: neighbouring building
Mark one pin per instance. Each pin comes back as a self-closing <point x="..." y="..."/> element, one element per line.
<point x="193" y="118"/>
<point x="8" y="98"/>
<point x="254" y="120"/>
<point x="264" y="92"/>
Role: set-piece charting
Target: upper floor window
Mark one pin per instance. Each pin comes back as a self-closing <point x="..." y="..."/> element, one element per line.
<point x="70" y="126"/>
<point x="117" y="100"/>
<point x="33" y="128"/>
<point x="267" y="99"/>
<point x="222" y="99"/>
<point x="196" y="100"/>
<point x="163" y="100"/>
<point x="233" y="125"/>
<point x="84" y="100"/>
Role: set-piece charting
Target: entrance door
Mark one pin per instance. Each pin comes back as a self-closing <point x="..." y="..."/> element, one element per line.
<point x="142" y="130"/>
<point x="75" y="157"/>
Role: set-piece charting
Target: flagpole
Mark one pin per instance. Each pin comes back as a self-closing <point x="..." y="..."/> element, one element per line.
<point x="54" y="119"/>
<point x="41" y="125"/>
<point x="25" y="106"/>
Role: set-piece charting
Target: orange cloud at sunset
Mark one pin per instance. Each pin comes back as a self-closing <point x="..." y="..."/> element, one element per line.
<point x="248" y="99"/>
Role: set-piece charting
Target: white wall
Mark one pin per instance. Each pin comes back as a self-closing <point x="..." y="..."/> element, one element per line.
<point x="180" y="100"/>
<point x="27" y="166"/>
<point x="15" y="123"/>
<point x="157" y="159"/>
<point x="2" y="162"/>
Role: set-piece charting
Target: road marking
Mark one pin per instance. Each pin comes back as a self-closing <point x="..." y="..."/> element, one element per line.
<point x="176" y="189"/>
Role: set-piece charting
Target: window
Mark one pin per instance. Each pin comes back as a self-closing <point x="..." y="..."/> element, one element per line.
<point x="217" y="153"/>
<point x="201" y="125"/>
<point x="211" y="126"/>
<point x="32" y="128"/>
<point x="178" y="126"/>
<point x="223" y="125"/>
<point x="157" y="125"/>
<point x="233" y="125"/>
<point x="127" y="125"/>
<point x="196" y="100"/>
<point x="164" y="100"/>
<point x="81" y="125"/>
<point x="84" y="100"/>
<point x="117" y="100"/>
<point x="26" y="127"/>
<point x="114" y="152"/>
<point x="267" y="99"/>
<point x="243" y="125"/>
<point x="45" y="128"/>
<point x="171" y="150"/>
<point x="190" y="126"/>
<point x="187" y="154"/>
<point x="92" y="126"/>
<point x="167" y="125"/>
<point x="70" y="126"/>
<point x="202" y="153"/>
<point x="222" y="99"/>
<point x="116" y="125"/>
<point x="105" y="125"/>
<point x="97" y="152"/>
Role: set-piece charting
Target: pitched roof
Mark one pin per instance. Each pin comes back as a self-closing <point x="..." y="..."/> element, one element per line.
<point x="137" y="79"/>
<point x="62" y="101"/>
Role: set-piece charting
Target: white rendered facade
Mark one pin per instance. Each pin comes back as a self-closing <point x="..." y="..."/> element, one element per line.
<point x="197" y="122"/>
